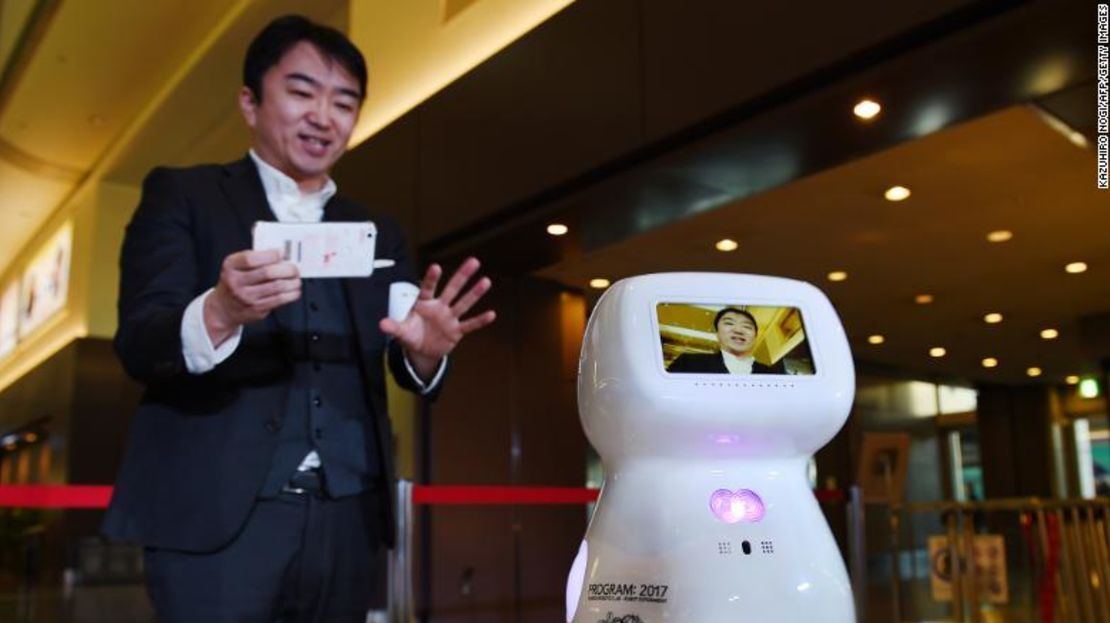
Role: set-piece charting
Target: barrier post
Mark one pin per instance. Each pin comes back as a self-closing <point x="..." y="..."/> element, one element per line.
<point x="857" y="551"/>
<point x="1098" y="556"/>
<point x="955" y="565"/>
<point x="401" y="594"/>
<point x="894" y="512"/>
<point x="967" y="523"/>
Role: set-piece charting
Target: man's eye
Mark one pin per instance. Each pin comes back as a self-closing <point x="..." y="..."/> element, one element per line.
<point x="301" y="93"/>
<point x="344" y="106"/>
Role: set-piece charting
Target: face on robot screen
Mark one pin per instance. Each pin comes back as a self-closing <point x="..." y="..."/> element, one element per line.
<point x="709" y="364"/>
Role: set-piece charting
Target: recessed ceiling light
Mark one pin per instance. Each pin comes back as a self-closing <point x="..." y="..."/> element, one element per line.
<point x="992" y="318"/>
<point x="937" y="351"/>
<point x="30" y="437"/>
<point x="557" y="229"/>
<point x="897" y="193"/>
<point x="875" y="339"/>
<point x="1088" y="388"/>
<point x="1000" y="235"/>
<point x="1076" y="267"/>
<point x="867" y="109"/>
<point x="1072" y="379"/>
<point x="1050" y="334"/>
<point x="727" y="245"/>
<point x="838" y="275"/>
<point x="599" y="283"/>
<point x="923" y="299"/>
<point x="1034" y="371"/>
<point x="990" y="362"/>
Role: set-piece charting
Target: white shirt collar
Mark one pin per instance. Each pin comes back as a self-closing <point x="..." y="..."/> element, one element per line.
<point x="286" y="199"/>
<point x="738" y="365"/>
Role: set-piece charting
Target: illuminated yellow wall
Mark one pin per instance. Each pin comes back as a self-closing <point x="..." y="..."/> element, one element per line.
<point x="69" y="323"/>
<point x="97" y="215"/>
<point x="115" y="204"/>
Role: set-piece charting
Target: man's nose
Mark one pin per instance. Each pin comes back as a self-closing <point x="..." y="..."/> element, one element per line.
<point x="318" y="114"/>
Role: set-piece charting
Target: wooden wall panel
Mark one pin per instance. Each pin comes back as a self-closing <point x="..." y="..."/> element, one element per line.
<point x="104" y="401"/>
<point x="381" y="174"/>
<point x="1014" y="440"/>
<point x="470" y="550"/>
<point x="508" y="416"/>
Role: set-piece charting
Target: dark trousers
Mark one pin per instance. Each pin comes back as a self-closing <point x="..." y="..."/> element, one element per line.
<point x="299" y="558"/>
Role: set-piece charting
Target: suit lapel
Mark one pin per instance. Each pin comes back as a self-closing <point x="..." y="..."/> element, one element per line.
<point x="243" y="188"/>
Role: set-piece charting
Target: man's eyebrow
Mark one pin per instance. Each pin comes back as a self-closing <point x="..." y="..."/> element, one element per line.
<point x="303" y="78"/>
<point x="296" y="75"/>
<point x="351" y="92"/>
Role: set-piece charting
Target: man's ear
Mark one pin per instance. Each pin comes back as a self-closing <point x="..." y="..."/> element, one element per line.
<point x="248" y="105"/>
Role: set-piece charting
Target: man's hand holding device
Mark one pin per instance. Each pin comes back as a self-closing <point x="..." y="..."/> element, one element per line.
<point x="254" y="283"/>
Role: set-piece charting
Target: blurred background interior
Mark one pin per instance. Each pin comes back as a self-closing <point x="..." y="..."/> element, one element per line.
<point x="930" y="164"/>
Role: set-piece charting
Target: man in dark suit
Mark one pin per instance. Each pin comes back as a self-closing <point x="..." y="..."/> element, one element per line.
<point x="259" y="469"/>
<point x="736" y="335"/>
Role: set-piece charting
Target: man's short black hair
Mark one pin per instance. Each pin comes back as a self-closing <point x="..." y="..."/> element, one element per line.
<point x="734" y="310"/>
<point x="283" y="33"/>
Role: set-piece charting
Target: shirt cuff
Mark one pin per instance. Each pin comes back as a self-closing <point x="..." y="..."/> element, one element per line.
<point x="425" y="388"/>
<point x="196" y="346"/>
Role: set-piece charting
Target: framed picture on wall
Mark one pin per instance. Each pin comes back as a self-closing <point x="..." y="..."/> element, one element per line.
<point x="45" y="287"/>
<point x="883" y="463"/>
<point x="9" y="318"/>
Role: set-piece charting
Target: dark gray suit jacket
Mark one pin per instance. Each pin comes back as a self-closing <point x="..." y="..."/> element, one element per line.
<point x="201" y="445"/>
<point x="714" y="363"/>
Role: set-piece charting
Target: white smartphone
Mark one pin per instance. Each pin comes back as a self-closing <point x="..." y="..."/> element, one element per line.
<point x="323" y="250"/>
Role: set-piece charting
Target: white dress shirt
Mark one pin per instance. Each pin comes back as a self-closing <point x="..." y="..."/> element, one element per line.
<point x="738" y="365"/>
<point x="290" y="205"/>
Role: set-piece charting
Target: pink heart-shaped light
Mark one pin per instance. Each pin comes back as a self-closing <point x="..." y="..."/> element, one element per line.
<point x="733" y="506"/>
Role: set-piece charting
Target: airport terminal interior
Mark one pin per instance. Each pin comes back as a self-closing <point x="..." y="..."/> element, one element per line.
<point x="930" y="165"/>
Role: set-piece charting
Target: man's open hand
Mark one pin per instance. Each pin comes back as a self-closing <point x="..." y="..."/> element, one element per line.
<point x="435" y="325"/>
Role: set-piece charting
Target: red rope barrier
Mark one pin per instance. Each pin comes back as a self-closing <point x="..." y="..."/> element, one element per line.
<point x="441" y="495"/>
<point x="80" y="496"/>
<point x="54" y="496"/>
<point x="830" y="496"/>
<point x="88" y="496"/>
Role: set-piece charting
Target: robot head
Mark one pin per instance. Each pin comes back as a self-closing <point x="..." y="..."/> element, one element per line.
<point x="713" y="365"/>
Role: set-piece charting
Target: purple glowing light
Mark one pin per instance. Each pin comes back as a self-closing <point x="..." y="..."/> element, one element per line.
<point x="733" y="506"/>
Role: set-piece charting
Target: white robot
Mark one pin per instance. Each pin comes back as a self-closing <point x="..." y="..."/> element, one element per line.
<point x="705" y="429"/>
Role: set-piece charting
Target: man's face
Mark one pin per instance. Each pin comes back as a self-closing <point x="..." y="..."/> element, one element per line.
<point x="736" y="333"/>
<point x="308" y="110"/>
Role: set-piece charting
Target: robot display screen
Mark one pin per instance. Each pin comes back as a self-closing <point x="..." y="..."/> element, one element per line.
<point x="733" y="338"/>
